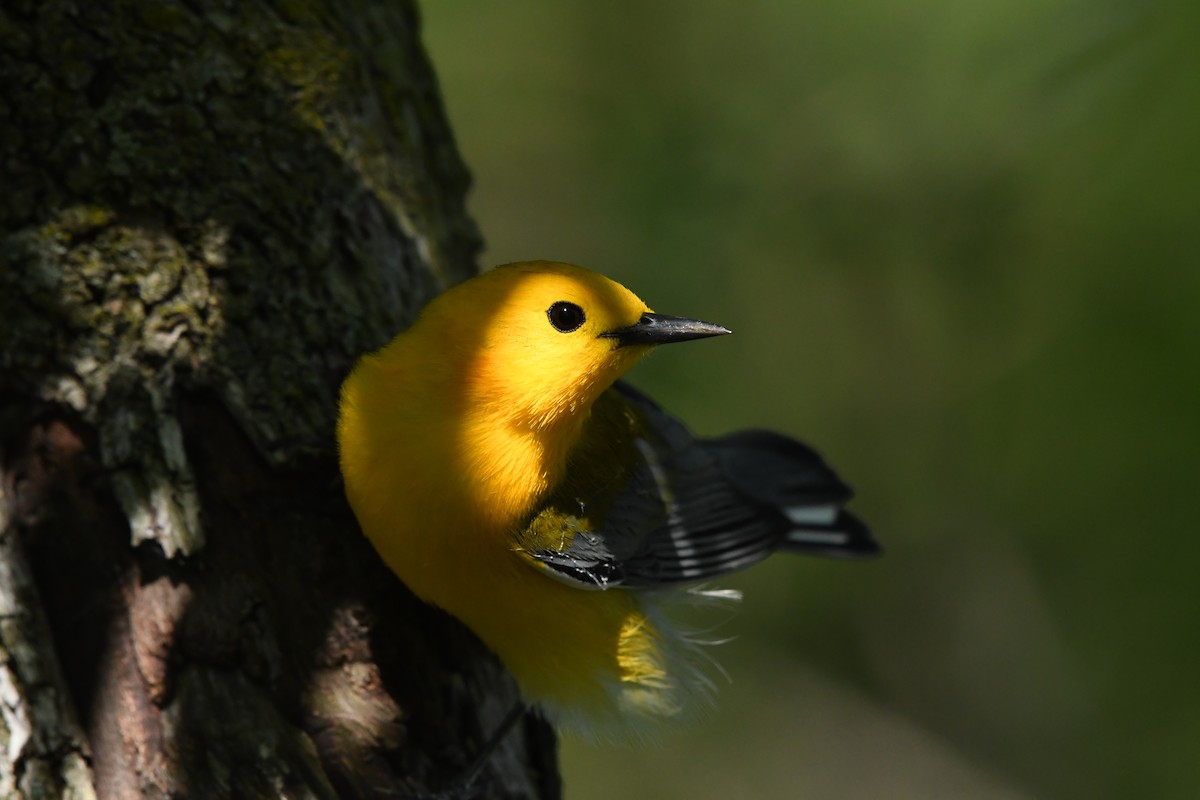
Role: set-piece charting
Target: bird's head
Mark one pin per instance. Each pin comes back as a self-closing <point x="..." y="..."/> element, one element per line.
<point x="539" y="341"/>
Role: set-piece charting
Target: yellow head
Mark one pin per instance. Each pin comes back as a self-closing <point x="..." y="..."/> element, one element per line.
<point x="537" y="342"/>
<point x="489" y="389"/>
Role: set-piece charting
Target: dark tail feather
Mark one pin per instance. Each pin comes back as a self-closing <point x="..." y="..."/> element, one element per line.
<point x="845" y="537"/>
<point x="792" y="478"/>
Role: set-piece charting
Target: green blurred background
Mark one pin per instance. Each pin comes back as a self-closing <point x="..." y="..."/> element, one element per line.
<point x="958" y="245"/>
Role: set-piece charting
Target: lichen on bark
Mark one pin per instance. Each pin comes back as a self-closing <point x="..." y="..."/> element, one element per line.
<point x="244" y="198"/>
<point x="45" y="750"/>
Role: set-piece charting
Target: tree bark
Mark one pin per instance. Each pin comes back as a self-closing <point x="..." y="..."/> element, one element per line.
<point x="208" y="210"/>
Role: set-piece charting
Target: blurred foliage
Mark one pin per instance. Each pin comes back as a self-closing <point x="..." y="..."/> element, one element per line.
<point x="958" y="245"/>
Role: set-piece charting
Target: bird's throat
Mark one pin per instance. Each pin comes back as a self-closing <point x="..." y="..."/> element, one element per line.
<point x="516" y="466"/>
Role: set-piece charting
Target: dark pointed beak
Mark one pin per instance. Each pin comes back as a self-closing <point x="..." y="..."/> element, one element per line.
<point x="663" y="329"/>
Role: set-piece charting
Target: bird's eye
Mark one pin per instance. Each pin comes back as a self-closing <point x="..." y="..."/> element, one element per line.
<point x="565" y="317"/>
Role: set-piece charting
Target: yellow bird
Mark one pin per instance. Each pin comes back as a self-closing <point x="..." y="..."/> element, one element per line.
<point x="504" y="474"/>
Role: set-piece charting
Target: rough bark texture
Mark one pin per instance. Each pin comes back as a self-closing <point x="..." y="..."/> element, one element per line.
<point x="208" y="210"/>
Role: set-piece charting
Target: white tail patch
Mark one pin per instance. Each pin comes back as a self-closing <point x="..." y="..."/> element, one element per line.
<point x="812" y="515"/>
<point x="833" y="538"/>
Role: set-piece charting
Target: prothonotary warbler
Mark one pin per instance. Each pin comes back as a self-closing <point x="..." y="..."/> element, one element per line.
<point x="505" y="474"/>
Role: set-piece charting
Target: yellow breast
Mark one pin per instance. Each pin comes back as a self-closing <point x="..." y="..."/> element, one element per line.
<point x="440" y="496"/>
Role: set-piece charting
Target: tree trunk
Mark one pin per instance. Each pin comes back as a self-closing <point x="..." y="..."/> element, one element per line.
<point x="208" y="209"/>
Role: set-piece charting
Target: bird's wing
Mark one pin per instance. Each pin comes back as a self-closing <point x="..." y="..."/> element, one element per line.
<point x="646" y="504"/>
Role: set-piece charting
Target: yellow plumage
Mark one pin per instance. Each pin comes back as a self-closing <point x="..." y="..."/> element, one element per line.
<point x="485" y="456"/>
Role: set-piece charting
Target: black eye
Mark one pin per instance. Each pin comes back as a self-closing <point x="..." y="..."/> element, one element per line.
<point x="564" y="316"/>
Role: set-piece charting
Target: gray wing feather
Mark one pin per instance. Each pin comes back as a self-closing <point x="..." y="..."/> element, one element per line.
<point x="691" y="509"/>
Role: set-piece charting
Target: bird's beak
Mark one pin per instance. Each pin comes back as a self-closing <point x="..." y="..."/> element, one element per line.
<point x="664" y="329"/>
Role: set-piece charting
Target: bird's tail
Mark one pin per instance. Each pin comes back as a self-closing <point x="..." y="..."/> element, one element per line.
<point x="795" y="481"/>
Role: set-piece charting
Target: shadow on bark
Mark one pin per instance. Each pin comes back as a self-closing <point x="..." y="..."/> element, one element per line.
<point x="217" y="210"/>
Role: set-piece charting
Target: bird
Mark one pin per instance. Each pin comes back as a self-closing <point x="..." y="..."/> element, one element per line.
<point x="506" y="474"/>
